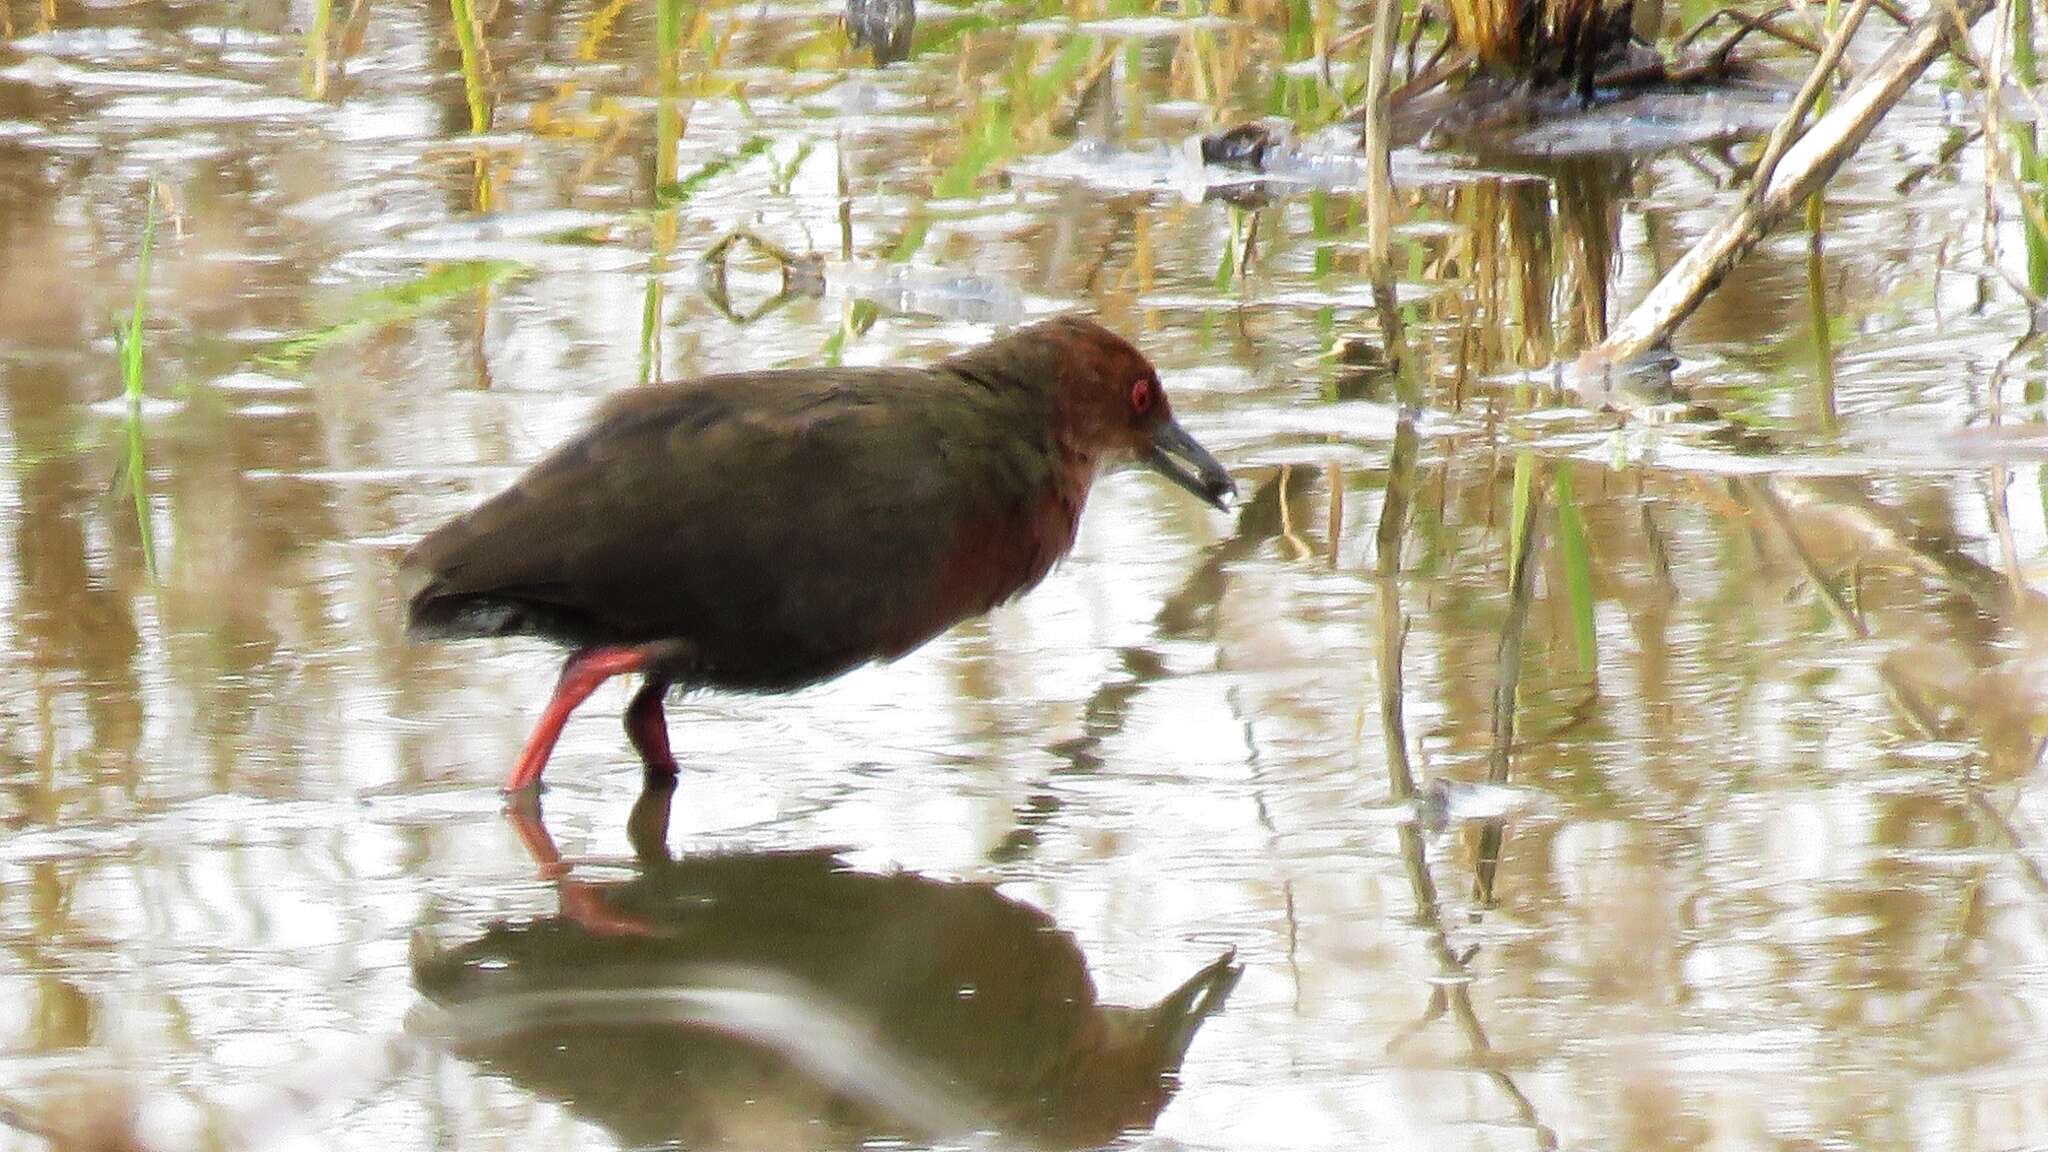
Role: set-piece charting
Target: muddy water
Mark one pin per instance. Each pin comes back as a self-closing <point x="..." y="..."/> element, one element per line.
<point x="1758" y="865"/>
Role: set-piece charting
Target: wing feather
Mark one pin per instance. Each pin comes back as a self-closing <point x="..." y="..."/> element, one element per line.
<point x="778" y="522"/>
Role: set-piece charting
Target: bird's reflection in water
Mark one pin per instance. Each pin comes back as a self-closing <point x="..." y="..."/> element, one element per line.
<point x="783" y="999"/>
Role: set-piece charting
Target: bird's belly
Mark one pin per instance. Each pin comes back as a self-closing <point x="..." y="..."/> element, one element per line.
<point x="768" y="664"/>
<point x="812" y="631"/>
<point x="773" y="658"/>
<point x="772" y="662"/>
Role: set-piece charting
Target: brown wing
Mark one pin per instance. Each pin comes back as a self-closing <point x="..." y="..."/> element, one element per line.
<point x="783" y="525"/>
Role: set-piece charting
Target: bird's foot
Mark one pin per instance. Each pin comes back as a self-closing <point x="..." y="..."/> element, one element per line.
<point x="525" y="799"/>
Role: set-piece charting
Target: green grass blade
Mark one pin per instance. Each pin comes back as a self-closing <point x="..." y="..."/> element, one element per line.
<point x="676" y="193"/>
<point x="786" y="174"/>
<point x="131" y="343"/>
<point x="472" y="66"/>
<point x="373" y="310"/>
<point x="992" y="139"/>
<point x="1578" y="569"/>
<point x="914" y="235"/>
<point x="991" y="130"/>
<point x="668" y="50"/>
<point x="128" y="343"/>
<point x="138" y="487"/>
<point x="1226" y="267"/>
<point x="1518" y="512"/>
<point x="650" y="321"/>
<point x="2029" y="158"/>
<point x="313" y="75"/>
<point x="858" y="320"/>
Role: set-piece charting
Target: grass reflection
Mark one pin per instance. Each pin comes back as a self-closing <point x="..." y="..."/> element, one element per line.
<point x="129" y="346"/>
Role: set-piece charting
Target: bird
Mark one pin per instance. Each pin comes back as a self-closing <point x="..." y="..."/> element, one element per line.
<point x="765" y="531"/>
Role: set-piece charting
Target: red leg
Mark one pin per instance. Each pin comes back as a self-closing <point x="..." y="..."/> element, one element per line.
<point x="587" y="668"/>
<point x="648" y="728"/>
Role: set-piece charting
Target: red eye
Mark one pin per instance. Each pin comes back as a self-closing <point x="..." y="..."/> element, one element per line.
<point x="1142" y="394"/>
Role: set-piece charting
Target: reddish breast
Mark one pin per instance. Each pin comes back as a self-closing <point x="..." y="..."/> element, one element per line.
<point x="996" y="557"/>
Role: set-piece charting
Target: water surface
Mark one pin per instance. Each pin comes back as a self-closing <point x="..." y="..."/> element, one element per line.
<point x="1759" y="865"/>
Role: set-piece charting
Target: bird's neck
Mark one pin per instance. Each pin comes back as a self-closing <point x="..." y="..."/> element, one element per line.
<point x="1055" y="513"/>
<point x="1074" y="471"/>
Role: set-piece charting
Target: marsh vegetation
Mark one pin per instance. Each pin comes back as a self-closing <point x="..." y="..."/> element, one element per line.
<point x="1612" y="717"/>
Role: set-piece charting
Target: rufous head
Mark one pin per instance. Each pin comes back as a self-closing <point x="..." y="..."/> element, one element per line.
<point x="1107" y="399"/>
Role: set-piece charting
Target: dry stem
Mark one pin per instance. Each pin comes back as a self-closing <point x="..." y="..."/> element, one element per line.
<point x="1807" y="164"/>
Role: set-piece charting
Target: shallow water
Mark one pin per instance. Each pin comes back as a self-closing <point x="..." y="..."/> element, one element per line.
<point x="1759" y="866"/>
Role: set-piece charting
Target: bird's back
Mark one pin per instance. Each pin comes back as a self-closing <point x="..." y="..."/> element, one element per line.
<point x="778" y="527"/>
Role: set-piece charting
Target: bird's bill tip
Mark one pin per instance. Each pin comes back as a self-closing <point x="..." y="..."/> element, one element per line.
<point x="1176" y="455"/>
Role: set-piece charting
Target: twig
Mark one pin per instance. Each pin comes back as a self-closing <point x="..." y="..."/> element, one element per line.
<point x="1377" y="136"/>
<point x="1345" y="41"/>
<point x="1713" y="67"/>
<point x="1809" y="94"/>
<point x="1699" y="29"/>
<point x="1691" y="160"/>
<point x="1745" y="25"/>
<point x="1441" y="67"/>
<point x="1806" y="165"/>
<point x="1415" y="40"/>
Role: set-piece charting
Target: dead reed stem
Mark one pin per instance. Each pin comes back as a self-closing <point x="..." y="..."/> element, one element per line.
<point x="1806" y="164"/>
